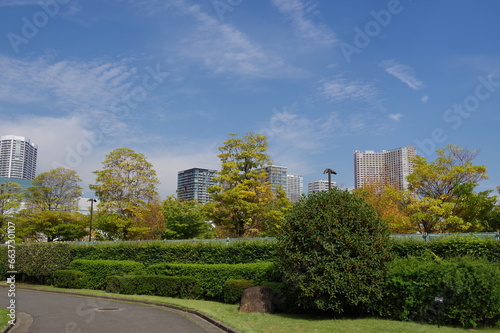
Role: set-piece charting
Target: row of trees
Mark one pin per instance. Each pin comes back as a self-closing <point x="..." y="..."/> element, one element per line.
<point x="441" y="198"/>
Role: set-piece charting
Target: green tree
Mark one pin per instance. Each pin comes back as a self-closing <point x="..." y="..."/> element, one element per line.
<point x="10" y="200"/>
<point x="34" y="225"/>
<point x="332" y="252"/>
<point x="56" y="190"/>
<point x="445" y="189"/>
<point x="125" y="187"/>
<point x="183" y="219"/>
<point x="243" y="203"/>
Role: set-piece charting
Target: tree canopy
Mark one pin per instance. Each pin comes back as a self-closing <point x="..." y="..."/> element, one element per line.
<point x="56" y="190"/>
<point x="244" y="203"/>
<point x="447" y="201"/>
<point x="126" y="188"/>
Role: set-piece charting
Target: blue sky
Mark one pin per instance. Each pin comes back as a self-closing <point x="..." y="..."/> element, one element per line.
<point x="172" y="78"/>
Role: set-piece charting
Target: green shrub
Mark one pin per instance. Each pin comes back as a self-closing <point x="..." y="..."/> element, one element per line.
<point x="233" y="290"/>
<point x="449" y="247"/>
<point x="98" y="270"/>
<point x="333" y="250"/>
<point x="69" y="278"/>
<point x="211" y="278"/>
<point x="36" y="263"/>
<point x="186" y="252"/>
<point x="169" y="286"/>
<point x="470" y="288"/>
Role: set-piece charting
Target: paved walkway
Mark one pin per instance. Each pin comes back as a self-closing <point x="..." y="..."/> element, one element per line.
<point x="46" y="312"/>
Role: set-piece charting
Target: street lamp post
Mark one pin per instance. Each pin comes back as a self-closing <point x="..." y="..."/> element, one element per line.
<point x="329" y="172"/>
<point x="92" y="200"/>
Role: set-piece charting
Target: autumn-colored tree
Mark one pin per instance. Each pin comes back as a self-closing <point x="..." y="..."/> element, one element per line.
<point x="243" y="201"/>
<point x="55" y="190"/>
<point x="445" y="188"/>
<point x="390" y="204"/>
<point x="126" y="187"/>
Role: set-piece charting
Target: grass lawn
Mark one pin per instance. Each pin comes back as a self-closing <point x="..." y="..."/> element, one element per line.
<point x="281" y="323"/>
<point x="3" y="318"/>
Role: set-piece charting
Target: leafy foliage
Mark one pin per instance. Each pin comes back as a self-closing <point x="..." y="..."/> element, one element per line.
<point x="244" y="204"/>
<point x="56" y="189"/>
<point x="150" y="253"/>
<point x="97" y="270"/>
<point x="69" y="278"/>
<point x="168" y="286"/>
<point x="233" y="290"/>
<point x="390" y="203"/>
<point x="183" y="219"/>
<point x="38" y="262"/>
<point x="333" y="251"/>
<point x="470" y="289"/>
<point x="445" y="188"/>
<point x="211" y="278"/>
<point x="126" y="188"/>
<point x="53" y="225"/>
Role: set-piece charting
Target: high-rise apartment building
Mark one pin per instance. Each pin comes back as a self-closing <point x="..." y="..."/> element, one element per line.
<point x="17" y="157"/>
<point x="277" y="176"/>
<point x="295" y="187"/>
<point x="319" y="185"/>
<point x="386" y="167"/>
<point x="192" y="184"/>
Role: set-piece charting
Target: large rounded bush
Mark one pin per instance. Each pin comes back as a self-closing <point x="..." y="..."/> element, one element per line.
<point x="333" y="251"/>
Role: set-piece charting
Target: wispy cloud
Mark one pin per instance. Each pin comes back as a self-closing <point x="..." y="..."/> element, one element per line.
<point x="63" y="85"/>
<point x="303" y="15"/>
<point x="404" y="73"/>
<point x="294" y="136"/>
<point x="224" y="49"/>
<point x="341" y="89"/>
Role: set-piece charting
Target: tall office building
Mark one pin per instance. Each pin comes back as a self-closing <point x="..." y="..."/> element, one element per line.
<point x="295" y="187"/>
<point x="319" y="185"/>
<point x="17" y="157"/>
<point x="386" y="167"/>
<point x="192" y="184"/>
<point x="277" y="176"/>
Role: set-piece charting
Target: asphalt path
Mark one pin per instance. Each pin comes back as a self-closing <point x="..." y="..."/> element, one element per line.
<point x="45" y="312"/>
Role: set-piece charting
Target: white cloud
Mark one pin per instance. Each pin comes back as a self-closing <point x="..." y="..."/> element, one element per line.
<point x="340" y="89"/>
<point x="224" y="49"/>
<point x="396" y="116"/>
<point x="424" y="99"/>
<point x="301" y="13"/>
<point x="293" y="135"/>
<point x="404" y="73"/>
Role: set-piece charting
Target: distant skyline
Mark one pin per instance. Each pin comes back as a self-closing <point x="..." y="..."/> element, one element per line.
<point x="321" y="79"/>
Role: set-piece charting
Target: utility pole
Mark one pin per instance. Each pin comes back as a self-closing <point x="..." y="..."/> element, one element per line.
<point x="92" y="200"/>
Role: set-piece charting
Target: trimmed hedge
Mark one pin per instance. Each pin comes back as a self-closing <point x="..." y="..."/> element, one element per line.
<point x="169" y="286"/>
<point x="212" y="277"/>
<point x="233" y="290"/>
<point x="36" y="263"/>
<point x="470" y="288"/>
<point x="186" y="252"/>
<point x="98" y="270"/>
<point x="449" y="247"/>
<point x="69" y="278"/>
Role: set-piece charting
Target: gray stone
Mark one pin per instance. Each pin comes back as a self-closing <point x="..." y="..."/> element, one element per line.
<point x="257" y="299"/>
